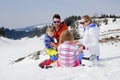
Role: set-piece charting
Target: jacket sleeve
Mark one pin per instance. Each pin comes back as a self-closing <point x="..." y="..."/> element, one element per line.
<point x="47" y="43"/>
<point x="93" y="38"/>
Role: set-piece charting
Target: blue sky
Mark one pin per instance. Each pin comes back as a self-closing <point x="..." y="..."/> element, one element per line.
<point x="22" y="13"/>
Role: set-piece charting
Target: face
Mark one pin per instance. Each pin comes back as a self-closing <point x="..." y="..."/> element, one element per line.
<point x="56" y="22"/>
<point x="51" y="34"/>
<point x="83" y="22"/>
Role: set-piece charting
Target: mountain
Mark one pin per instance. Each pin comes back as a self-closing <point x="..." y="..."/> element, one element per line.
<point x="29" y="31"/>
<point x="33" y="27"/>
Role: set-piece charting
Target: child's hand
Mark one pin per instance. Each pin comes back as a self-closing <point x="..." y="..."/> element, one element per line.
<point x="80" y="49"/>
<point x="53" y="45"/>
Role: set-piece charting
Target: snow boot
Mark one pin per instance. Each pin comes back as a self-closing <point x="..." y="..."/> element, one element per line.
<point x="40" y="65"/>
<point x="45" y="63"/>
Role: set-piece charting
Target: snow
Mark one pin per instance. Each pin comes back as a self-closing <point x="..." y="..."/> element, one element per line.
<point x="108" y="69"/>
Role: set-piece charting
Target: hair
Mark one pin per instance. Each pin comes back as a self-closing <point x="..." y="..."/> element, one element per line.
<point x="66" y="36"/>
<point x="56" y="16"/>
<point x="87" y="18"/>
<point x="50" y="29"/>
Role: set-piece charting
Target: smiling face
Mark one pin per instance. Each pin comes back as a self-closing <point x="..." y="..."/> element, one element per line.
<point x="86" y="20"/>
<point x="56" y="22"/>
<point x="50" y="31"/>
<point x="83" y="22"/>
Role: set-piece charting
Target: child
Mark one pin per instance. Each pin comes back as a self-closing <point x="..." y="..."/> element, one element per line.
<point x="68" y="51"/>
<point x="49" y="42"/>
<point x="50" y="47"/>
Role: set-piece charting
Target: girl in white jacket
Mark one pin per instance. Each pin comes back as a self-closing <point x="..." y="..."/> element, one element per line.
<point x="90" y="38"/>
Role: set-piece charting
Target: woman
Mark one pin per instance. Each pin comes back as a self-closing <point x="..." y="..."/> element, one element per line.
<point x="90" y="38"/>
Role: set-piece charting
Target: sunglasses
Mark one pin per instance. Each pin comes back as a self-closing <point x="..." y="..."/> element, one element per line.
<point x="56" y="21"/>
<point x="83" y="22"/>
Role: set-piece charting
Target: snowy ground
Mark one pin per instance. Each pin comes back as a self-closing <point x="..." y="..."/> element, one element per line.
<point x="28" y="69"/>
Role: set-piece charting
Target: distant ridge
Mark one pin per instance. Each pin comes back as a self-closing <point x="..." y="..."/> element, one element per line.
<point x="29" y="28"/>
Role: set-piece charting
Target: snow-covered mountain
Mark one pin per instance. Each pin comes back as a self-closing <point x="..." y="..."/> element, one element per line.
<point x="30" y="31"/>
<point x="30" y="28"/>
<point x="27" y="68"/>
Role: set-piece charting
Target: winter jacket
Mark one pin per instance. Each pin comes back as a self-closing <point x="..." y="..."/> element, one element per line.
<point x="63" y="27"/>
<point x="90" y="40"/>
<point x="49" y="49"/>
<point x="67" y="54"/>
<point x="47" y="40"/>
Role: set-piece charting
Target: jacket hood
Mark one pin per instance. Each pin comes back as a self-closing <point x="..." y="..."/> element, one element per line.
<point x="91" y="25"/>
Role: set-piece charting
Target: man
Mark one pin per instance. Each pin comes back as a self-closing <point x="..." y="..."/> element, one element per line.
<point x="59" y="27"/>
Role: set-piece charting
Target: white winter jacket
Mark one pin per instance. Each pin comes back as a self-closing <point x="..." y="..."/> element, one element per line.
<point x="90" y="40"/>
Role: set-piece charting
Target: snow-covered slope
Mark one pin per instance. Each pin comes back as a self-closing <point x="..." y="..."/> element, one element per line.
<point x="28" y="69"/>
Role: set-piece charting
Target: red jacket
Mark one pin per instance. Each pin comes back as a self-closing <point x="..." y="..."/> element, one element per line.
<point x="63" y="27"/>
